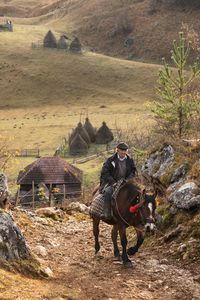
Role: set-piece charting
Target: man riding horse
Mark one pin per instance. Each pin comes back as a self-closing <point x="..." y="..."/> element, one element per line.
<point x="118" y="166"/>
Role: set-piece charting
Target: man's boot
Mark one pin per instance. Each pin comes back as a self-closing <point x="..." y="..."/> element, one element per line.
<point x="107" y="210"/>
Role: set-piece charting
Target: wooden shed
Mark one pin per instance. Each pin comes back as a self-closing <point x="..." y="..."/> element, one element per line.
<point x="53" y="172"/>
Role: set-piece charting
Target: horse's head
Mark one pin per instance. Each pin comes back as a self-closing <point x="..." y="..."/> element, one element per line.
<point x="146" y="210"/>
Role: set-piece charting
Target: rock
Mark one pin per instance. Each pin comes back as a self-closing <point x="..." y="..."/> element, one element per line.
<point x="40" y="250"/>
<point x="159" y="219"/>
<point x="46" y="211"/>
<point x="179" y="172"/>
<point x="128" y="42"/>
<point x="12" y="244"/>
<point x="182" y="248"/>
<point x="174" y="186"/>
<point x="5" y="194"/>
<point x="78" y="207"/>
<point x="173" y="210"/>
<point x="185" y="197"/>
<point x="47" y="271"/>
<point x="161" y="160"/>
<point x="173" y="234"/>
<point x="156" y="24"/>
<point x="186" y="255"/>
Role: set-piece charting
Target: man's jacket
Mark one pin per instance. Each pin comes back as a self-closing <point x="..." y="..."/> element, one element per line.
<point x="110" y="170"/>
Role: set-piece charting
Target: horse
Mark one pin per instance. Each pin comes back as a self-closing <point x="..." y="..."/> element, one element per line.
<point x="133" y="207"/>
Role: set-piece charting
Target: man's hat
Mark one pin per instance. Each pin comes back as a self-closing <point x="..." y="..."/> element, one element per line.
<point x="122" y="146"/>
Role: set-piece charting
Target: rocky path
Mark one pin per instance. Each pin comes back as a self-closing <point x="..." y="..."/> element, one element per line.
<point x="67" y="248"/>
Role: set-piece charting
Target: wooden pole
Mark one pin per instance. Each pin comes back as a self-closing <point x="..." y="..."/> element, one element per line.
<point x="50" y="198"/>
<point x="33" y="193"/>
<point x="17" y="197"/>
<point x="64" y="191"/>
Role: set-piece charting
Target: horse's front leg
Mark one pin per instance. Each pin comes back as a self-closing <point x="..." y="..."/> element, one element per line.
<point x="114" y="240"/>
<point x="96" y="234"/>
<point x="126" y="261"/>
<point x="140" y="239"/>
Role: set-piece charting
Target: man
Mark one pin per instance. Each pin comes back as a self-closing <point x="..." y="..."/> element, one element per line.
<point x="116" y="167"/>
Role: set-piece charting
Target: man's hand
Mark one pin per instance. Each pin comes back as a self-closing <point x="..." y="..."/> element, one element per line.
<point x="114" y="184"/>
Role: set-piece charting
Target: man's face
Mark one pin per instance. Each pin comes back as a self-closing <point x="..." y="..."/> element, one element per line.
<point x="122" y="153"/>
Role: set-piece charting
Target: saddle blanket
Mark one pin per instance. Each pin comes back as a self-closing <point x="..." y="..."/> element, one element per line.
<point x="97" y="205"/>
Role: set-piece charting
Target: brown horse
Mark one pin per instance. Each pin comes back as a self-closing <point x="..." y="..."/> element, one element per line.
<point x="133" y="207"/>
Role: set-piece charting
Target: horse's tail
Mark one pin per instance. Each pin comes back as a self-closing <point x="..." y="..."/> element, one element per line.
<point x="95" y="189"/>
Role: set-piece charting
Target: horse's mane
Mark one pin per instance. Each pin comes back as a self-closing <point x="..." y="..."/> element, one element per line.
<point x="133" y="184"/>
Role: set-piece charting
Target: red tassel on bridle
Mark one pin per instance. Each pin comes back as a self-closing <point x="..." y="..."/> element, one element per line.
<point x="134" y="209"/>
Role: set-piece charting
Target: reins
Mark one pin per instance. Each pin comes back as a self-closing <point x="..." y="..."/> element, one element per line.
<point x="124" y="219"/>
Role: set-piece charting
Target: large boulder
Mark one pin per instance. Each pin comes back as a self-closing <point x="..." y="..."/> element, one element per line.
<point x="185" y="197"/>
<point x="159" y="162"/>
<point x="12" y="244"/>
<point x="5" y="194"/>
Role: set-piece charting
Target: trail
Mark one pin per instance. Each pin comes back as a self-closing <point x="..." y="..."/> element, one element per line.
<point x="70" y="255"/>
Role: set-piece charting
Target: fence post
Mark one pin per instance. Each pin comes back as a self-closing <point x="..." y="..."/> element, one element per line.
<point x="17" y="197"/>
<point x="33" y="194"/>
<point x="64" y="191"/>
<point x="50" y="198"/>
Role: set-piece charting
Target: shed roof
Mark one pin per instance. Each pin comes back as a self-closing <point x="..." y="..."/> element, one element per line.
<point x="49" y="170"/>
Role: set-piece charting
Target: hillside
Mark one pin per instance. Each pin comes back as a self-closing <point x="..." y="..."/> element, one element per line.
<point x="104" y="26"/>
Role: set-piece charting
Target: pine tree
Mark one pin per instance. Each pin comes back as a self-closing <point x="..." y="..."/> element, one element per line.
<point x="175" y="110"/>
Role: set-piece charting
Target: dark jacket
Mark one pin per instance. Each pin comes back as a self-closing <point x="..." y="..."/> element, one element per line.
<point x="110" y="170"/>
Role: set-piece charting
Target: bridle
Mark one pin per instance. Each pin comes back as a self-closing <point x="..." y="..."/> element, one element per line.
<point x="137" y="209"/>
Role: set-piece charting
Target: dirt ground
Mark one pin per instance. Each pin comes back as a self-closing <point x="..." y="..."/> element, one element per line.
<point x="69" y="253"/>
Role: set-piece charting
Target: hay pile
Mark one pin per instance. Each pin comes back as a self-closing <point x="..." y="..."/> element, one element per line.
<point x="75" y="45"/>
<point x="78" y="145"/>
<point x="82" y="132"/>
<point x="104" y="135"/>
<point x="49" y="40"/>
<point x="62" y="43"/>
<point x="90" y="130"/>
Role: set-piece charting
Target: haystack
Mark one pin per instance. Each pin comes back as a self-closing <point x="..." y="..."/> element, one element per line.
<point x="78" y="145"/>
<point x="82" y="132"/>
<point x="90" y="130"/>
<point x="75" y="45"/>
<point x="104" y="134"/>
<point x="49" y="40"/>
<point x="62" y="43"/>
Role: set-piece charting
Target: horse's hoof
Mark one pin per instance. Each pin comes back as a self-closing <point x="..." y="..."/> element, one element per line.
<point x="131" y="251"/>
<point x="117" y="258"/>
<point x="128" y="264"/>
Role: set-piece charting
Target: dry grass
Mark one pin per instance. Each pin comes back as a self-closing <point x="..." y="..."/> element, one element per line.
<point x="43" y="91"/>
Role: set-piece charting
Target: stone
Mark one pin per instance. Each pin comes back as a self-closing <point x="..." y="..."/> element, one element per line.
<point x="46" y="211"/>
<point x="78" y="207"/>
<point x="40" y="250"/>
<point x="12" y="244"/>
<point x="179" y="172"/>
<point x="159" y="159"/>
<point x="185" y="196"/>
<point x="128" y="43"/>
<point x="5" y="194"/>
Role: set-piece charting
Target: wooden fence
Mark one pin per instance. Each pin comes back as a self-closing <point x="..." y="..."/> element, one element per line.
<point x="25" y="152"/>
<point x="30" y="198"/>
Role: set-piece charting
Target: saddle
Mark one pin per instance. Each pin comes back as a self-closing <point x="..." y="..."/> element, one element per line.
<point x="97" y="204"/>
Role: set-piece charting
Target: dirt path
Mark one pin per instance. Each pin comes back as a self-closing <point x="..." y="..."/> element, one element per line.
<point x="70" y="255"/>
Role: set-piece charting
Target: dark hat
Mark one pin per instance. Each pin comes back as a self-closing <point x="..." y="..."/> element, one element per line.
<point x="122" y="146"/>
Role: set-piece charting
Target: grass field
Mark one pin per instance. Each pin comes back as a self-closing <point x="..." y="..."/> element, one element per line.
<point x="44" y="93"/>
